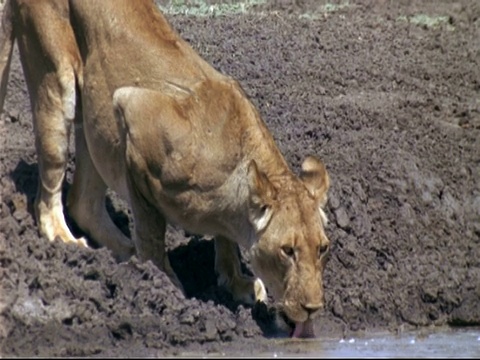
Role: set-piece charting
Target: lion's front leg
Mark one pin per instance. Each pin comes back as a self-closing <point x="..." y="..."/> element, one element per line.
<point x="228" y="268"/>
<point x="149" y="234"/>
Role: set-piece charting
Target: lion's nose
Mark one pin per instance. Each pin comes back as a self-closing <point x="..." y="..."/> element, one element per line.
<point x="312" y="308"/>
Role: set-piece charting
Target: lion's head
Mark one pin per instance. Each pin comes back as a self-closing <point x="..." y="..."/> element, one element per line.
<point x="292" y="247"/>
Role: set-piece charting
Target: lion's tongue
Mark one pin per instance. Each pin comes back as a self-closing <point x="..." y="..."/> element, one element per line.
<point x="303" y="330"/>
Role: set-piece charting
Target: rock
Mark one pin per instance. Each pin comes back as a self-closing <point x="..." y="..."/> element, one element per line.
<point x="342" y="218"/>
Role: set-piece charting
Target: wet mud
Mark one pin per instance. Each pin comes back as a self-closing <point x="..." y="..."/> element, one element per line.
<point x="387" y="93"/>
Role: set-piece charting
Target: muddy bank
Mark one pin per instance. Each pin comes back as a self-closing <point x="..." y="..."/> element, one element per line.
<point x="390" y="100"/>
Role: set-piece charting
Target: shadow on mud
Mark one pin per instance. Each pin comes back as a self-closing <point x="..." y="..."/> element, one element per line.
<point x="25" y="177"/>
<point x="194" y="264"/>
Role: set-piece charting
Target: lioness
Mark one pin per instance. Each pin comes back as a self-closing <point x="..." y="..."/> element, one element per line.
<point x="179" y="141"/>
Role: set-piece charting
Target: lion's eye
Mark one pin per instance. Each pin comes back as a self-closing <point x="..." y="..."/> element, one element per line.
<point x="288" y="250"/>
<point x="322" y="250"/>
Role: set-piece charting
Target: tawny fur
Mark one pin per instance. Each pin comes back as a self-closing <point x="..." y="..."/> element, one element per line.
<point x="175" y="138"/>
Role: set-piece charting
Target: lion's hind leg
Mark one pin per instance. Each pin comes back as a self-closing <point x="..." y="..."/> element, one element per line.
<point x="7" y="39"/>
<point x="52" y="128"/>
<point x="86" y="202"/>
<point x="228" y="268"/>
<point x="50" y="63"/>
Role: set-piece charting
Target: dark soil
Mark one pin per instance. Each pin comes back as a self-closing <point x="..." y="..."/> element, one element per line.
<point x="391" y="106"/>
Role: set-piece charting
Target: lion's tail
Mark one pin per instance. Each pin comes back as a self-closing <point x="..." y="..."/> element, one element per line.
<point x="7" y="38"/>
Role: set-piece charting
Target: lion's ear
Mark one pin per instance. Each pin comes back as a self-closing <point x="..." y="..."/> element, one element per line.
<point x="261" y="195"/>
<point x="316" y="179"/>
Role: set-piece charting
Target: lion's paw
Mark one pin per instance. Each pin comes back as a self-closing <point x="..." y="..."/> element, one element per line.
<point x="245" y="289"/>
<point x="260" y="291"/>
<point x="72" y="240"/>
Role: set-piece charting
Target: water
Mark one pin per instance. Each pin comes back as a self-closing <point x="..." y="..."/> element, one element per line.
<point x="440" y="343"/>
